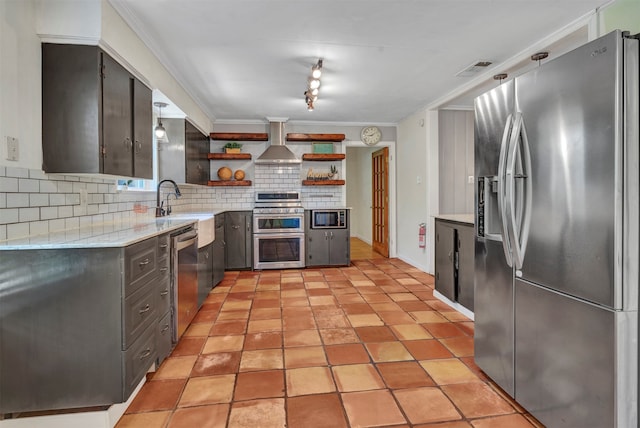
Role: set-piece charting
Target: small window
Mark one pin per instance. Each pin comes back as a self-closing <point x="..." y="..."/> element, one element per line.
<point x="135" y="185"/>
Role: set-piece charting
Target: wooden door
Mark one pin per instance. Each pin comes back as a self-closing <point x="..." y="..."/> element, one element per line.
<point x="380" y="200"/>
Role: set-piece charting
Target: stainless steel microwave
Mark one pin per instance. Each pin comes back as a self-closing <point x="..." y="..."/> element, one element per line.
<point x="329" y="219"/>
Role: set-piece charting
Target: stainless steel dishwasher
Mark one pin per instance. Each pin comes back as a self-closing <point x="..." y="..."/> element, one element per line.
<point x="184" y="281"/>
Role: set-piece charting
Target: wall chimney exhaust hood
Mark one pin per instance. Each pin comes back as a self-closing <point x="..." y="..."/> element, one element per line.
<point x="277" y="152"/>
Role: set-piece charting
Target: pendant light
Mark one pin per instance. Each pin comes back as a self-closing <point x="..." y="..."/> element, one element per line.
<point x="161" y="133"/>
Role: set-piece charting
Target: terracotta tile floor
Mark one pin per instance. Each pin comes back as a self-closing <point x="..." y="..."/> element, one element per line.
<point x="360" y="346"/>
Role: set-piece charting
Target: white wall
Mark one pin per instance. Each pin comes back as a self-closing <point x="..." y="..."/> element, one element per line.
<point x="20" y="83"/>
<point x="20" y="68"/>
<point x="413" y="177"/>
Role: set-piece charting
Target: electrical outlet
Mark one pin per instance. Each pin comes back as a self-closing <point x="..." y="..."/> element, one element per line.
<point x="418" y="180"/>
<point x="13" y="153"/>
<point x="470" y="179"/>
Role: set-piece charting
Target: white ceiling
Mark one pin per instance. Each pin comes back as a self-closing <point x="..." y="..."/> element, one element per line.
<point x="383" y="59"/>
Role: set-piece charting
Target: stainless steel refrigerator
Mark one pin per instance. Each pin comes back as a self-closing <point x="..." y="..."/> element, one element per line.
<point x="556" y="251"/>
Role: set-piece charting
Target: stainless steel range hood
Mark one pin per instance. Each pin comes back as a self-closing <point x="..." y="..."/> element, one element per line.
<point x="277" y="152"/>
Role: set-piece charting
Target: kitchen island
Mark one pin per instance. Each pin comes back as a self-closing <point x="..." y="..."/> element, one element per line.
<point x="84" y="314"/>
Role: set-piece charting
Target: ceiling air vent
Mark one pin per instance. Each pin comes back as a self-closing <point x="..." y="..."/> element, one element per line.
<point x="475" y="68"/>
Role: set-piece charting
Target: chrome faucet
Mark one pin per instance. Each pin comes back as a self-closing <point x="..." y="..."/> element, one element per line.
<point x="159" y="210"/>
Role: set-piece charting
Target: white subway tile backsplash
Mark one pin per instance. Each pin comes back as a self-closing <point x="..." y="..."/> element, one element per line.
<point x="71" y="223"/>
<point x="72" y="199"/>
<point x="64" y="187"/>
<point x="28" y="185"/>
<point x="48" y="186"/>
<point x="57" y="199"/>
<point x="38" y="227"/>
<point x="17" y="230"/>
<point x="8" y="184"/>
<point x="38" y="199"/>
<point x="3" y="232"/>
<point x="53" y="203"/>
<point x="17" y="200"/>
<point x="10" y="215"/>
<point x="65" y="211"/>
<point x="37" y="174"/>
<point x="56" y="225"/>
<point x="17" y="172"/>
<point x="29" y="214"/>
<point x="48" y="213"/>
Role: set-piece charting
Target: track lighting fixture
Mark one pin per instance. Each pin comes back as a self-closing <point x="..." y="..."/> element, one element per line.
<point x="313" y="87"/>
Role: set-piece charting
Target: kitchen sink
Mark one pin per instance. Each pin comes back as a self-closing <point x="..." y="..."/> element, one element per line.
<point x="206" y="225"/>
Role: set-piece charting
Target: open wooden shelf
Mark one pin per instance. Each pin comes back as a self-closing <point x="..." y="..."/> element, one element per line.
<point x="336" y="138"/>
<point x="239" y="136"/>
<point x="229" y="183"/>
<point x="323" y="182"/>
<point x="323" y="156"/>
<point x="229" y="156"/>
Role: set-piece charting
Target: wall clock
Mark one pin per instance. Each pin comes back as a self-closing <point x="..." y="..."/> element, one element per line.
<point x="370" y="135"/>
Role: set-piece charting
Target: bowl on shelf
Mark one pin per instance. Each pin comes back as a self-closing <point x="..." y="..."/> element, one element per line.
<point x="224" y="173"/>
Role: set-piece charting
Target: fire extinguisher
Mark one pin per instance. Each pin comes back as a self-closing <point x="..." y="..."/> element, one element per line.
<point x="422" y="235"/>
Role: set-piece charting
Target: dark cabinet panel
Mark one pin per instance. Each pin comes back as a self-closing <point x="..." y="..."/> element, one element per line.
<point x="455" y="253"/>
<point x="218" y="250"/>
<point x="116" y="118"/>
<point x="142" y="131"/>
<point x="238" y="238"/>
<point x="445" y="263"/>
<point x="205" y="272"/>
<point x="96" y="116"/>
<point x="327" y="247"/>
<point x="466" y="263"/>
<point x="184" y="157"/>
<point x="197" y="149"/>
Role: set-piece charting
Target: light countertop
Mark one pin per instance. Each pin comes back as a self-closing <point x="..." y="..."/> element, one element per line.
<point x="457" y="218"/>
<point x="110" y="234"/>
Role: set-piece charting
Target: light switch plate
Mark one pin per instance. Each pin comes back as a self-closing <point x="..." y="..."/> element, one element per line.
<point x="13" y="153"/>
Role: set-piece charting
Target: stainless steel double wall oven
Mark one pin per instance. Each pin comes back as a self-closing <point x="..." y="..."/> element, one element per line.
<point x="278" y="231"/>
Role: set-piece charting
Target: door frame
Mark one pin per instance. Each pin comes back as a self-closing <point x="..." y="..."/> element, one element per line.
<point x="393" y="231"/>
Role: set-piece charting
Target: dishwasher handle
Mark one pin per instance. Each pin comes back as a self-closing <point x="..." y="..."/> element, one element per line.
<point x="186" y="239"/>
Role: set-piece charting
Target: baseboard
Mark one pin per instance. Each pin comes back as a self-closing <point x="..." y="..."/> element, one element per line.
<point x="455" y="305"/>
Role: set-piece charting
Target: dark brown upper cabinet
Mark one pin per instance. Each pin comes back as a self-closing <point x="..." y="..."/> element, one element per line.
<point x="96" y="116"/>
<point x="184" y="157"/>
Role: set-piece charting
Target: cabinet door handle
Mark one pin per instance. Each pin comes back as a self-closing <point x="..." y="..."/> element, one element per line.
<point x="164" y="269"/>
<point x="145" y="309"/>
<point x="128" y="144"/>
<point x="163" y="246"/>
<point x="235" y="226"/>
<point x="138" y="146"/>
<point x="326" y="235"/>
<point x="144" y="262"/>
<point x="331" y="235"/>
<point x="164" y="329"/>
<point x="145" y="354"/>
<point x="164" y="293"/>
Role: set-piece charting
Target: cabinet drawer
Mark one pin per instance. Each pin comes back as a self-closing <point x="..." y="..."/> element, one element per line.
<point x="140" y="263"/>
<point x="163" y="288"/>
<point x="140" y="310"/>
<point x="163" y="245"/>
<point x="138" y="358"/>
<point x="163" y="337"/>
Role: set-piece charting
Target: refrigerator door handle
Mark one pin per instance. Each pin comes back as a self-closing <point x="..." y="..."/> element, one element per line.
<point x="502" y="202"/>
<point x="519" y="233"/>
